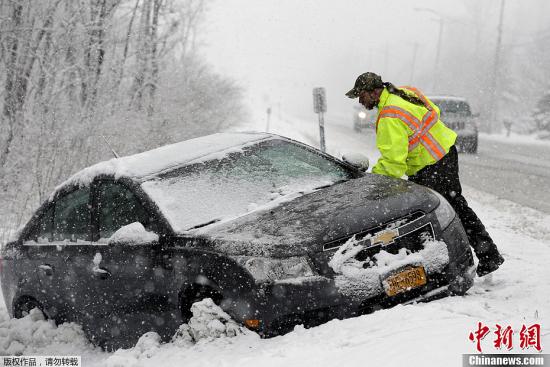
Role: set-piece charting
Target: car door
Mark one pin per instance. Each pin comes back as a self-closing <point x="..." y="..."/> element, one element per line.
<point x="128" y="279"/>
<point x="58" y="226"/>
<point x="71" y="232"/>
<point x="39" y="265"/>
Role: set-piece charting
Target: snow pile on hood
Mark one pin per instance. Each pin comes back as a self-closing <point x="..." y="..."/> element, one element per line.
<point x="133" y="233"/>
<point x="364" y="279"/>
<point x="209" y="322"/>
<point x="33" y="335"/>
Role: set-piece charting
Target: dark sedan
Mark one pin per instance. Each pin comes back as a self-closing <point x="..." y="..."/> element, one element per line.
<point x="274" y="231"/>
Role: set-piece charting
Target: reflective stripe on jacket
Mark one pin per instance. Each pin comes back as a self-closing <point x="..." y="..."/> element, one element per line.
<point x="408" y="136"/>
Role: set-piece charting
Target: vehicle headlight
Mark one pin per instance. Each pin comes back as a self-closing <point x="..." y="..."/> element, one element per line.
<point x="268" y="269"/>
<point x="444" y="212"/>
<point x="362" y="115"/>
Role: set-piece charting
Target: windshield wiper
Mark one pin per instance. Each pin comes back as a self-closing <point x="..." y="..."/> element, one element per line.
<point x="331" y="184"/>
<point x="203" y="224"/>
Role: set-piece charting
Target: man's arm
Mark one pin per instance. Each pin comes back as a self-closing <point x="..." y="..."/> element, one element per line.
<point x="392" y="141"/>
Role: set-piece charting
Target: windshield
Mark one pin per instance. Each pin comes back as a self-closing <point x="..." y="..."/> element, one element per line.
<point x="261" y="175"/>
<point x="453" y="107"/>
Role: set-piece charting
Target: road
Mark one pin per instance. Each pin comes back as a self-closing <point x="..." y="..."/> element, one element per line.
<point x="517" y="171"/>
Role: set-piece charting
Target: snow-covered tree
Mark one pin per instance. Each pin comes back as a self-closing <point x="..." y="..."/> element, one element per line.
<point x="74" y="71"/>
<point x="542" y="113"/>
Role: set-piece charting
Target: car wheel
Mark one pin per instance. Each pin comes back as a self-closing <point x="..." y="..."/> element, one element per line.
<point x="194" y="294"/>
<point x="24" y="306"/>
<point x="473" y="146"/>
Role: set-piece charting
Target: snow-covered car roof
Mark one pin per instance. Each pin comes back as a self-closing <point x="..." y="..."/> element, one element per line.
<point x="153" y="162"/>
<point x="448" y="98"/>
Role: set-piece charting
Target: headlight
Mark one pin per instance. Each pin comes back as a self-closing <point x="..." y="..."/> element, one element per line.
<point x="268" y="269"/>
<point x="444" y="212"/>
<point x="362" y="115"/>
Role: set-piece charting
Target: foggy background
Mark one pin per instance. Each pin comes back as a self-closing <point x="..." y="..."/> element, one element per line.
<point x="280" y="49"/>
<point x="79" y="79"/>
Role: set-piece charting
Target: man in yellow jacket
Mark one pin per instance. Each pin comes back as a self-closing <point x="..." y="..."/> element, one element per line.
<point x="413" y="141"/>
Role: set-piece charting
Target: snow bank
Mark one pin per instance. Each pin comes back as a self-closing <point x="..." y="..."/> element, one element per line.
<point x="364" y="279"/>
<point x="33" y="335"/>
<point x="515" y="138"/>
<point x="209" y="322"/>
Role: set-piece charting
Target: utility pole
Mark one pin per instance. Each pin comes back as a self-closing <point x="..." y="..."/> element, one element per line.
<point x="494" y="81"/>
<point x="438" y="47"/>
<point x="438" y="54"/>
<point x="320" y="107"/>
<point x="413" y="64"/>
<point x="268" y="118"/>
<point x="386" y="59"/>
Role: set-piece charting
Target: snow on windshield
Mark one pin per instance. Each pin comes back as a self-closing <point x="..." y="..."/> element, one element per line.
<point x="243" y="182"/>
<point x="164" y="158"/>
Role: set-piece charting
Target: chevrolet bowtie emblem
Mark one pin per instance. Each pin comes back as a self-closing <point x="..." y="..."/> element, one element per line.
<point x="384" y="237"/>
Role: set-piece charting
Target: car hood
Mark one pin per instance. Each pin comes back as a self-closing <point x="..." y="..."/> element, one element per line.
<point x="303" y="225"/>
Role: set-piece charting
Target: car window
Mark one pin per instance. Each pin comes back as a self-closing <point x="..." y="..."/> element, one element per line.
<point x="258" y="176"/>
<point x="72" y="216"/>
<point x="42" y="231"/>
<point x="453" y="107"/>
<point x="118" y="207"/>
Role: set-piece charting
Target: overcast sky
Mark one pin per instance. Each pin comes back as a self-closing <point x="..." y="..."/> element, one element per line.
<point x="280" y="49"/>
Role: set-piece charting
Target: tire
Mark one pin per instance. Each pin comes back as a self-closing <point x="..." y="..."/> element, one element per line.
<point x="24" y="306"/>
<point x="194" y="294"/>
<point x="473" y="146"/>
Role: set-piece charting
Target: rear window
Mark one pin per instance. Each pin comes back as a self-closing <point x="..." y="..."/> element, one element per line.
<point x="263" y="174"/>
<point x="456" y="107"/>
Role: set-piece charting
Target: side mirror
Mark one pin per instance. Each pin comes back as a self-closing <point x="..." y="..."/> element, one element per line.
<point x="358" y="160"/>
<point x="133" y="234"/>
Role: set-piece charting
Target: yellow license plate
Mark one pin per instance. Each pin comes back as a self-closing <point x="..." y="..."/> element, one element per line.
<point x="405" y="280"/>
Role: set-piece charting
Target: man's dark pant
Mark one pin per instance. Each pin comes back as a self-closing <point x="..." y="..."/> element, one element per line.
<point x="442" y="177"/>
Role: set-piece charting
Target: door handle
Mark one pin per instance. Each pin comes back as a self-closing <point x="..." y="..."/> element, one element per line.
<point x="101" y="272"/>
<point x="47" y="269"/>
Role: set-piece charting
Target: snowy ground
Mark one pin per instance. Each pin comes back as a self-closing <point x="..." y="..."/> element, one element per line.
<point x="431" y="334"/>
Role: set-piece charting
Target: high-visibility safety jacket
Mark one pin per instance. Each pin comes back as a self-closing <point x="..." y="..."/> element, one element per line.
<point x="408" y="136"/>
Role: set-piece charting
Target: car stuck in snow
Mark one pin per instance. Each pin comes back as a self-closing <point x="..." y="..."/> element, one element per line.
<point x="274" y="231"/>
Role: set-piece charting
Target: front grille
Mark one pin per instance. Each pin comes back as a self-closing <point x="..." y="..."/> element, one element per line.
<point x="412" y="231"/>
<point x="401" y="222"/>
<point x="412" y="241"/>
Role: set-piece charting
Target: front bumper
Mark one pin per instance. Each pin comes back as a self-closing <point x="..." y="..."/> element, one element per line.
<point x="314" y="300"/>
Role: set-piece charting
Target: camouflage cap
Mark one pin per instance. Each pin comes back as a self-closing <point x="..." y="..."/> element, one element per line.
<point x="366" y="81"/>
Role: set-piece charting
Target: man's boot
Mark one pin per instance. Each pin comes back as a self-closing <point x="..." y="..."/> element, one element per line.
<point x="489" y="257"/>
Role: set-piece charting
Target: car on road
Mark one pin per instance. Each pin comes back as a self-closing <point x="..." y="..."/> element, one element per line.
<point x="455" y="112"/>
<point x="274" y="231"/>
<point x="359" y="118"/>
<point x="362" y="118"/>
